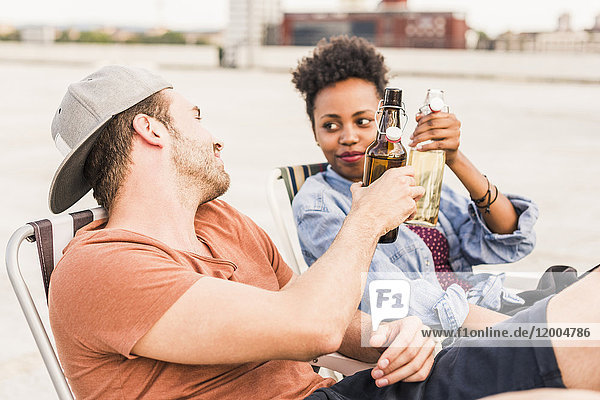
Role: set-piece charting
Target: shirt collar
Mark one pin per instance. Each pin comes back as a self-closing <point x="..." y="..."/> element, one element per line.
<point x="336" y="181"/>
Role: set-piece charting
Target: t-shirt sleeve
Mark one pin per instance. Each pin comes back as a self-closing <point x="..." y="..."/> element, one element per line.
<point x="283" y="272"/>
<point x="110" y="296"/>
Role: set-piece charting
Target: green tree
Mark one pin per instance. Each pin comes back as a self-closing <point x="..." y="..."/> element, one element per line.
<point x="169" y="37"/>
<point x="95" y="37"/>
<point x="12" y="36"/>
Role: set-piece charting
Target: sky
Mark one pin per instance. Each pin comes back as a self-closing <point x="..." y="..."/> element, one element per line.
<point x="490" y="16"/>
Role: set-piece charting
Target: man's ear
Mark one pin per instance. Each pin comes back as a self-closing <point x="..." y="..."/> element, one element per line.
<point x="149" y="129"/>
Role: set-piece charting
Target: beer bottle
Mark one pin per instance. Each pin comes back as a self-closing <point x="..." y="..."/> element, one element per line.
<point x="387" y="150"/>
<point x="429" y="167"/>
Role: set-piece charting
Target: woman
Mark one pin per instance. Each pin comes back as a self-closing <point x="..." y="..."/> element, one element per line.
<point x="342" y="83"/>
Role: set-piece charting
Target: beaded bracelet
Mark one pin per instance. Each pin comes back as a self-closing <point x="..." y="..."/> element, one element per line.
<point x="487" y="193"/>
<point x="487" y="206"/>
<point x="487" y="196"/>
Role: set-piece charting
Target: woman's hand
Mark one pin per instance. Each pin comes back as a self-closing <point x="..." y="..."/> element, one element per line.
<point x="443" y="128"/>
<point x="444" y="131"/>
<point x="408" y="355"/>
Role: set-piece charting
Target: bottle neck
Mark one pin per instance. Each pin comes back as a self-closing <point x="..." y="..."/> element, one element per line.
<point x="390" y="116"/>
<point x="434" y="102"/>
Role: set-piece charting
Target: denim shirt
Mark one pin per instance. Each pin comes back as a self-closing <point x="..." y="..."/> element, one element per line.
<point x="324" y="200"/>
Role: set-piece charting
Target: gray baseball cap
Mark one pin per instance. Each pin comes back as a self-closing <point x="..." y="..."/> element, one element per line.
<point x="84" y="111"/>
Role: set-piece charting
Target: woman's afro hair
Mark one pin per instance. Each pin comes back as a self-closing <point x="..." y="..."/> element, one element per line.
<point x="338" y="59"/>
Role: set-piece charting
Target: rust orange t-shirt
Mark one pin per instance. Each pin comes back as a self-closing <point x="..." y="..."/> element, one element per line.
<point x="113" y="285"/>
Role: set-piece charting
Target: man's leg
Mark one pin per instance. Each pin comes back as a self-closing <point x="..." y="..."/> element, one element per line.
<point x="547" y="394"/>
<point x="578" y="304"/>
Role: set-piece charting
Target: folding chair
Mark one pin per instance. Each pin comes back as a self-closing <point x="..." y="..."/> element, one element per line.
<point x="51" y="236"/>
<point x="291" y="178"/>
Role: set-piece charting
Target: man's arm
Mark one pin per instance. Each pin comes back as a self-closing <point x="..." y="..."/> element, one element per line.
<point x="399" y="348"/>
<point x="480" y="318"/>
<point x="218" y="321"/>
<point x="352" y="345"/>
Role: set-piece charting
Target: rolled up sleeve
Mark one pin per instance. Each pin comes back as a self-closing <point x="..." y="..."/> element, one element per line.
<point x="471" y="241"/>
<point x="435" y="307"/>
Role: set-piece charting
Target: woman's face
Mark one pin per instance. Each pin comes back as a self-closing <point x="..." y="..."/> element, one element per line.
<point x="344" y="124"/>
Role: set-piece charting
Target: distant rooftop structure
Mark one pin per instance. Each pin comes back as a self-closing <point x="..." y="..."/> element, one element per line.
<point x="392" y="5"/>
<point x="251" y="23"/>
<point x="564" y="23"/>
<point x="254" y="23"/>
<point x="596" y="27"/>
<point x="391" y="24"/>
<point x="563" y="39"/>
<point x="38" y="34"/>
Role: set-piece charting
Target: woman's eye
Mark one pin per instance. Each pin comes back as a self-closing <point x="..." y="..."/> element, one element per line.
<point x="363" y="121"/>
<point x="330" y="126"/>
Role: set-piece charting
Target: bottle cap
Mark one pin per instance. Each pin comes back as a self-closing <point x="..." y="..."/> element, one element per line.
<point x="436" y="104"/>
<point x="438" y="92"/>
<point x="392" y="97"/>
<point x="393" y="133"/>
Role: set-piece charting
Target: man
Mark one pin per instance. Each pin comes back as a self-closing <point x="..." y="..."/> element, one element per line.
<point x="177" y="295"/>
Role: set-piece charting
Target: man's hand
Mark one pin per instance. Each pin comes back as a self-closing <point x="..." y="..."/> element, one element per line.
<point x="389" y="201"/>
<point x="409" y="355"/>
<point x="443" y="128"/>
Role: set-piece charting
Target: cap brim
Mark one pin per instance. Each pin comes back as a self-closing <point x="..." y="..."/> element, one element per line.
<point x="68" y="184"/>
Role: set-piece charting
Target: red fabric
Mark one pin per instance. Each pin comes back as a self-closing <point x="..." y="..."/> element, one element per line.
<point x="438" y="244"/>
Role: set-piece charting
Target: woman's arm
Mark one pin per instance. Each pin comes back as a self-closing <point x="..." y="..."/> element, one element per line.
<point x="500" y="216"/>
<point x="444" y="129"/>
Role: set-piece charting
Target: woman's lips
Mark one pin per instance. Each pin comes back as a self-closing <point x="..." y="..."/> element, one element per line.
<point x="351" y="156"/>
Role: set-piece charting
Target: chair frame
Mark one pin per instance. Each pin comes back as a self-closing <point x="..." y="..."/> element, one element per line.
<point x="290" y="249"/>
<point x="32" y="316"/>
<point x="295" y="260"/>
<point x="61" y="237"/>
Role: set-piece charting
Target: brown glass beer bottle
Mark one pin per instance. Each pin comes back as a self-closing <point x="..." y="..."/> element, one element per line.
<point x="387" y="150"/>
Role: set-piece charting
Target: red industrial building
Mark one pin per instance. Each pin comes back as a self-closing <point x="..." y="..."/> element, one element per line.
<point x="391" y="25"/>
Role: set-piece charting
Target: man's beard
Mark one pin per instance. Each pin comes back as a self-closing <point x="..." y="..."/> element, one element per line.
<point x="196" y="165"/>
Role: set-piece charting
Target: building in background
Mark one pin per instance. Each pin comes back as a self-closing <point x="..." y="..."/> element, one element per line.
<point x="252" y="23"/>
<point x="563" y="39"/>
<point x="38" y="34"/>
<point x="391" y="24"/>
